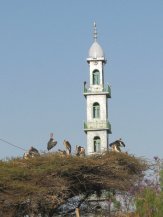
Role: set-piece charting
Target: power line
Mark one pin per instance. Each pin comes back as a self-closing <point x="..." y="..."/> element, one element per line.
<point x="12" y="144"/>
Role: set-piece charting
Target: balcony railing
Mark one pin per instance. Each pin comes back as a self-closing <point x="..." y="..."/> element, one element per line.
<point x="97" y="125"/>
<point x="106" y="90"/>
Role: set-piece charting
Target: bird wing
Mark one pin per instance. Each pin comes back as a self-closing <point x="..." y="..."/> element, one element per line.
<point x="122" y="144"/>
<point x="111" y="144"/>
<point x="67" y="144"/>
<point x="51" y="144"/>
<point x="33" y="150"/>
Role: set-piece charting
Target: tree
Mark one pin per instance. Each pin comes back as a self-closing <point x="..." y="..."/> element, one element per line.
<point x="40" y="185"/>
<point x="149" y="198"/>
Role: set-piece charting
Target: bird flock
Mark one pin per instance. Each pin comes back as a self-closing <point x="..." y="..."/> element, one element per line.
<point x="33" y="152"/>
<point x="79" y="151"/>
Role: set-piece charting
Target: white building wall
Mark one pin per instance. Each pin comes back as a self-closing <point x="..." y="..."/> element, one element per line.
<point x="102" y="100"/>
<point x="90" y="139"/>
<point x="96" y="127"/>
<point x="99" y="67"/>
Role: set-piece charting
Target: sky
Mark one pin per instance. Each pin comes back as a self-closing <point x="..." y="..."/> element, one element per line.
<point x="43" y="51"/>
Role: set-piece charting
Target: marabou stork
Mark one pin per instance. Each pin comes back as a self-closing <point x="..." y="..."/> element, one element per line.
<point x="80" y="151"/>
<point x="51" y="143"/>
<point x="116" y="145"/>
<point x="67" y="146"/>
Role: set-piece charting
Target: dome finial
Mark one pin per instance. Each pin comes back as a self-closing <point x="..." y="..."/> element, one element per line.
<point x="95" y="31"/>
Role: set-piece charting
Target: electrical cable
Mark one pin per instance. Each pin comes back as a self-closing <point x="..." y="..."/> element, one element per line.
<point x="12" y="144"/>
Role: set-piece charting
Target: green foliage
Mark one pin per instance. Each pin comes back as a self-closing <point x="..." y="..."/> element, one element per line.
<point x="161" y="179"/>
<point x="45" y="182"/>
<point x="149" y="203"/>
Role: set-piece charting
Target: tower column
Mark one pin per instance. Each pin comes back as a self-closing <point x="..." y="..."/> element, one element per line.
<point x="97" y="126"/>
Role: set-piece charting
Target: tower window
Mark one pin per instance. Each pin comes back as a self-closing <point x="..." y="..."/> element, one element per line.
<point x="96" y="110"/>
<point x="97" y="144"/>
<point x="96" y="77"/>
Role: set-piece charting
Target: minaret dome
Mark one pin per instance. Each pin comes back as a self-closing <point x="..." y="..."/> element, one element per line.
<point x="95" y="50"/>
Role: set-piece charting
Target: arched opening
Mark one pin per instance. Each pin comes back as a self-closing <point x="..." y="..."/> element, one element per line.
<point x="96" y="110"/>
<point x="96" y="77"/>
<point x="97" y="144"/>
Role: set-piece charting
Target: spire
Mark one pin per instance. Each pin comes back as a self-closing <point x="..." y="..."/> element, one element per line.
<point x="95" y="32"/>
<point x="96" y="50"/>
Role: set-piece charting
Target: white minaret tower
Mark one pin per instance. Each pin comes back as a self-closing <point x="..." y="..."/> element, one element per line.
<point x="97" y="126"/>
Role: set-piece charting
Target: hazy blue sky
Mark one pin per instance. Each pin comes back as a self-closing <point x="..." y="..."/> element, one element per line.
<point x="43" y="51"/>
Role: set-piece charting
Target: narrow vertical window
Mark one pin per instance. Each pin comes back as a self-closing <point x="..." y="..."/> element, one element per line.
<point x="96" y="110"/>
<point x="96" y="77"/>
<point x="97" y="144"/>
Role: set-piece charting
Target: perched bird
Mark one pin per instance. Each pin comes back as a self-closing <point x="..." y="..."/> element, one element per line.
<point x="51" y="143"/>
<point x="32" y="152"/>
<point x="80" y="151"/>
<point x="116" y="146"/>
<point x="67" y="146"/>
<point x="26" y="156"/>
<point x="62" y="152"/>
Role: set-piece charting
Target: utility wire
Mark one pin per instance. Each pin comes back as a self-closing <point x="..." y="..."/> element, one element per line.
<point x="12" y="144"/>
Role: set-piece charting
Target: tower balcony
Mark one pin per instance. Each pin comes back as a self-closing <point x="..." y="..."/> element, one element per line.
<point x="97" y="125"/>
<point x="106" y="90"/>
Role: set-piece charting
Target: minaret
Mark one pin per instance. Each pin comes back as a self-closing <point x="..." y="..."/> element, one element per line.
<point x="97" y="126"/>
